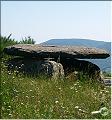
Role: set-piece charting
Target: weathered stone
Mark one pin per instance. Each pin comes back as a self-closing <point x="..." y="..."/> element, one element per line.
<point x="45" y="51"/>
<point x="33" y="67"/>
<point x="73" y="66"/>
<point x="67" y="67"/>
<point x="57" y="69"/>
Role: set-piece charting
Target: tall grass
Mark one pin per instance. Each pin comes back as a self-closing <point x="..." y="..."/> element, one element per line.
<point x="36" y="98"/>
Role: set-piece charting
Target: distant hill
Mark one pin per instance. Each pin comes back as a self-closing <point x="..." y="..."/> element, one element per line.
<point x="104" y="64"/>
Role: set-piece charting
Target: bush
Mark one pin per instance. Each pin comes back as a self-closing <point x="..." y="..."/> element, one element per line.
<point x="6" y="41"/>
<point x="27" y="40"/>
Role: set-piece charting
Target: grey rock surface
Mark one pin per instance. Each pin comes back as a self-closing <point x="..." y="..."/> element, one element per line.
<point x="81" y="66"/>
<point x="57" y="69"/>
<point x="45" y="51"/>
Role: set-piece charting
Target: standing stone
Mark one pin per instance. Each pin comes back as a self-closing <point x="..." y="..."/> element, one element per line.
<point x="53" y="69"/>
<point x="73" y="67"/>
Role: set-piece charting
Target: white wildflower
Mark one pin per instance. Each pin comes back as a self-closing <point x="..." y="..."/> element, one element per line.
<point x="80" y="109"/>
<point x="63" y="107"/>
<point x="107" y="91"/>
<point x="22" y="64"/>
<point x="9" y="73"/>
<point x="75" y="84"/>
<point x="76" y="107"/>
<point x="9" y="106"/>
<point x="10" y="114"/>
<point x="72" y="88"/>
<point x="4" y="82"/>
<point x="56" y="101"/>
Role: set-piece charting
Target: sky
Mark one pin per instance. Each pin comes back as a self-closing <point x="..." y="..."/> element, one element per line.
<point x="44" y="20"/>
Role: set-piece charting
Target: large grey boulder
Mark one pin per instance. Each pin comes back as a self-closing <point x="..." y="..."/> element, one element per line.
<point x="45" y="51"/>
<point x="74" y="67"/>
<point x="56" y="69"/>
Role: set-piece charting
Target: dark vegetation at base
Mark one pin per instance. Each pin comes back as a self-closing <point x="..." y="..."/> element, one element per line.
<point x="30" y="66"/>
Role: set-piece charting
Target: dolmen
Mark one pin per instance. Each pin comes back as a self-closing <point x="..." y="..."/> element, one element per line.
<point x="55" y="61"/>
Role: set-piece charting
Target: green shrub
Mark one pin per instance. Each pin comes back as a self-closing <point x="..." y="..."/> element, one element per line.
<point x="6" y="41"/>
<point x="27" y="40"/>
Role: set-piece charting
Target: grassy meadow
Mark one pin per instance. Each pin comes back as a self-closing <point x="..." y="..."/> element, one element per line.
<point x="24" y="97"/>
